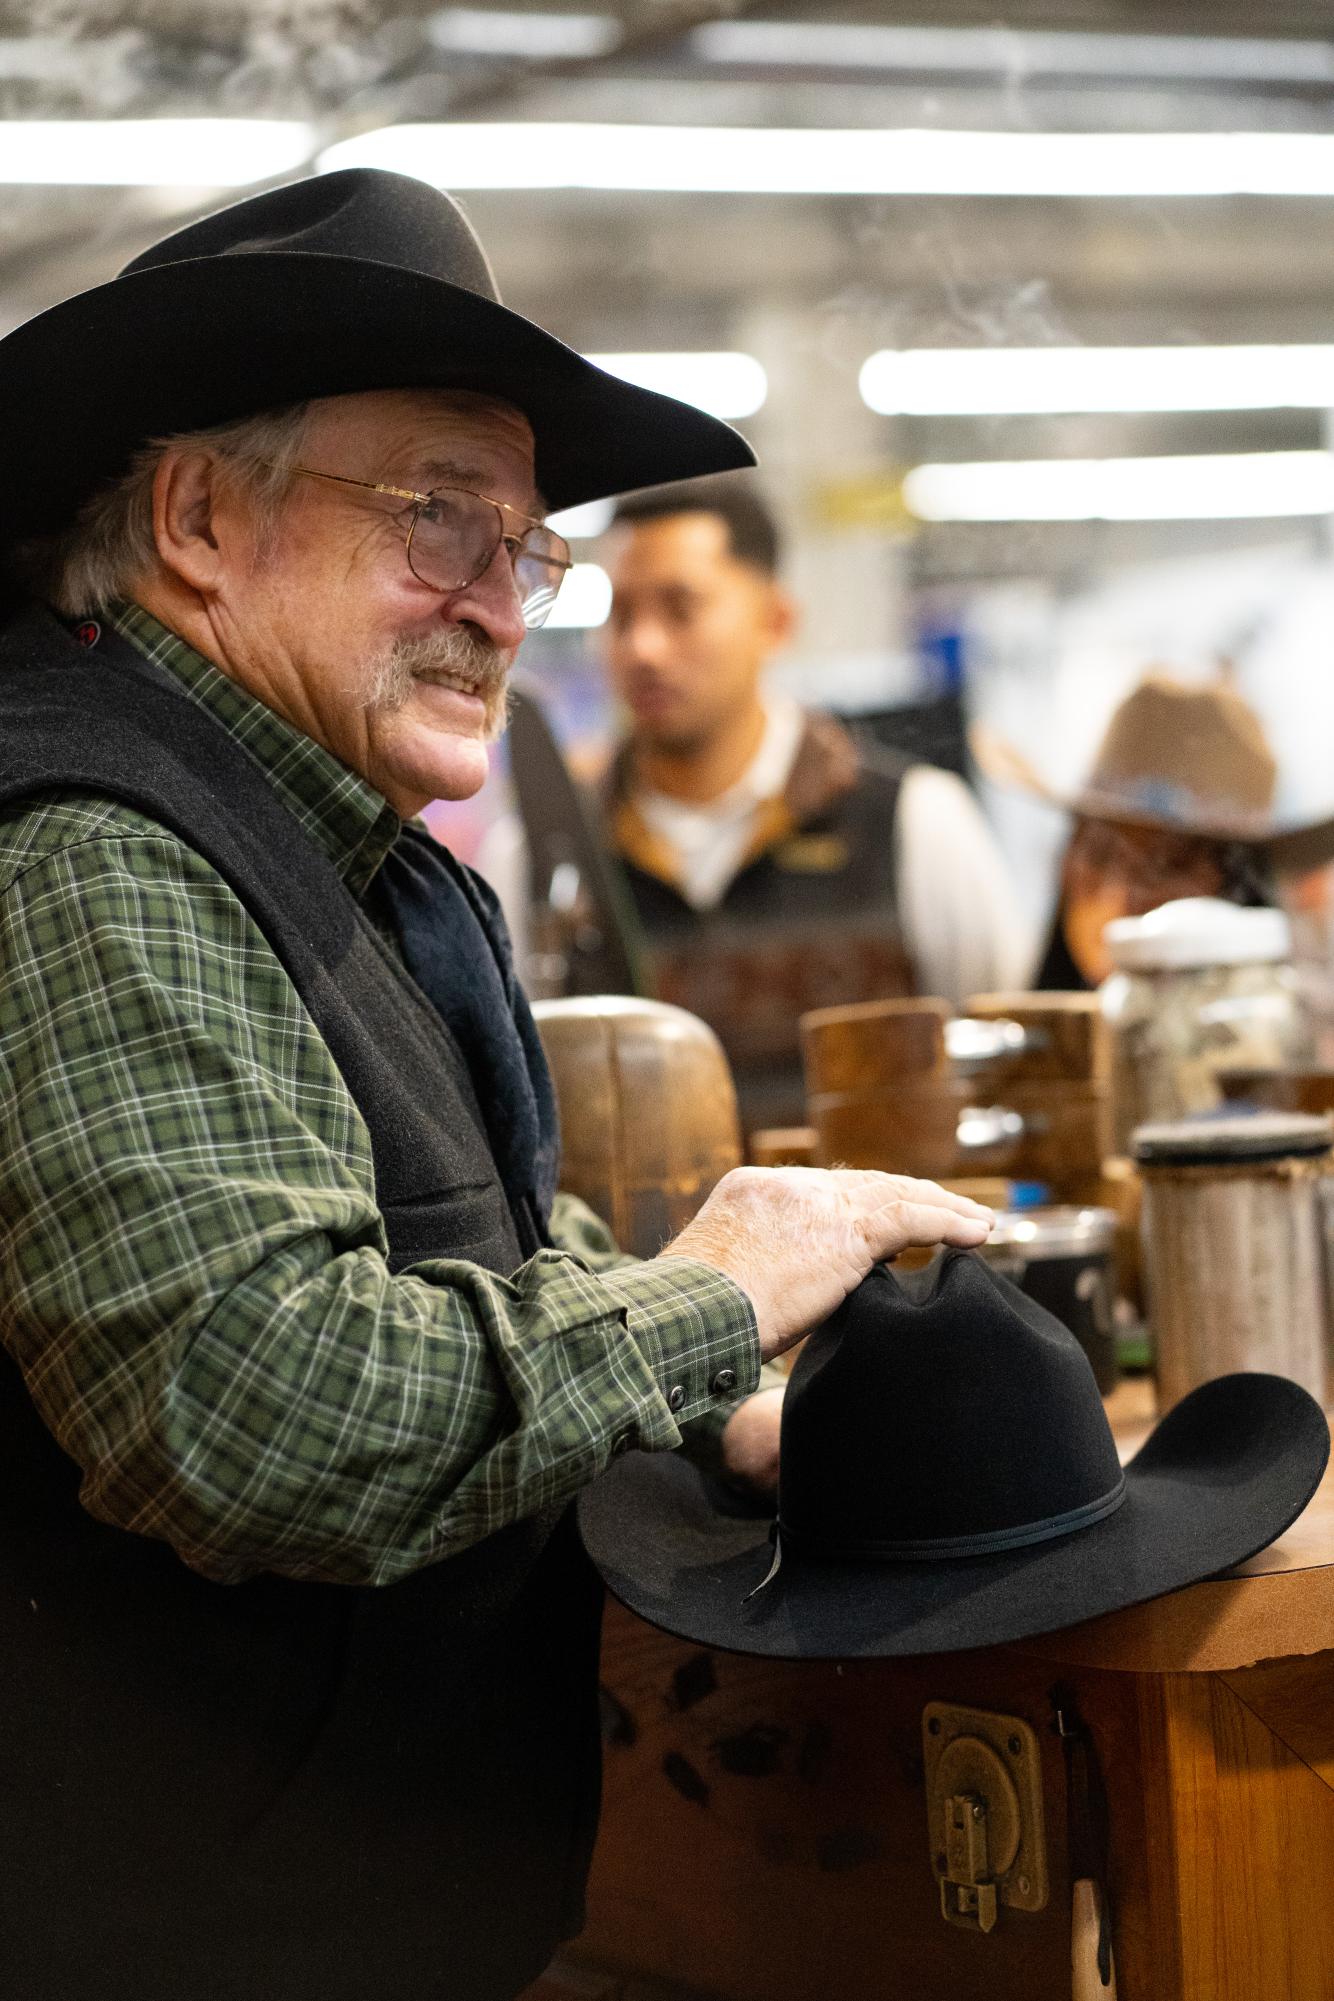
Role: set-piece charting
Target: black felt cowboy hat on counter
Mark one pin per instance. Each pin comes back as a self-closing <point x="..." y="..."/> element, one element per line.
<point x="948" y="1480"/>
<point x="341" y="283"/>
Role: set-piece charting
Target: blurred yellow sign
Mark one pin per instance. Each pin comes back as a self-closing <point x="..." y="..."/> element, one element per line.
<point x="869" y="500"/>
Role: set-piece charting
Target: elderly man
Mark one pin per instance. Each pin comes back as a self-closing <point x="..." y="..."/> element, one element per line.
<point x="299" y="1701"/>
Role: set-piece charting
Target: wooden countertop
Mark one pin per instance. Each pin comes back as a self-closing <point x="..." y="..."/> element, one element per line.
<point x="1279" y="1603"/>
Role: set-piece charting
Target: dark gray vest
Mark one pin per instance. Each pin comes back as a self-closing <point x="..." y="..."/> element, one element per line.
<point x="812" y="922"/>
<point x="216" y="1793"/>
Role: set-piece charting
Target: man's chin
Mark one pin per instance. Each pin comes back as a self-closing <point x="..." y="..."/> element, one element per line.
<point x="434" y="764"/>
<point x="681" y="741"/>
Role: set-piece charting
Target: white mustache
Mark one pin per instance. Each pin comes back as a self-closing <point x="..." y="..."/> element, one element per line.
<point x="455" y="658"/>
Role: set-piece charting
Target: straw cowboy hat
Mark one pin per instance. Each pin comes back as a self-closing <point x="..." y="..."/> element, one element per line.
<point x="1194" y="760"/>
<point x="339" y="283"/>
<point x="948" y="1480"/>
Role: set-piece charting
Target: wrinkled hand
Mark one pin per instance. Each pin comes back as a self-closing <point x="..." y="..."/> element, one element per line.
<point x="750" y="1441"/>
<point x="798" y="1239"/>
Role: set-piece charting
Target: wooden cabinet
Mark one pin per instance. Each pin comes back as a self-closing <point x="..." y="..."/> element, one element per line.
<point x="765" y="1832"/>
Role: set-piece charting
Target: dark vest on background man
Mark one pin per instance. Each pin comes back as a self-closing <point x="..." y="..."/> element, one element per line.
<point x="810" y="920"/>
<point x="281" y="1789"/>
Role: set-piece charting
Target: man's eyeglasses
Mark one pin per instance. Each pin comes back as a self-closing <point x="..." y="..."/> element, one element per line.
<point x="453" y="535"/>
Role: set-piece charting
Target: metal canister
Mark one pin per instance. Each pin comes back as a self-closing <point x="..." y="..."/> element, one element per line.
<point x="1062" y="1258"/>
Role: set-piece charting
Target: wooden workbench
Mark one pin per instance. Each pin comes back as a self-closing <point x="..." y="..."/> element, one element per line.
<point x="764" y="1834"/>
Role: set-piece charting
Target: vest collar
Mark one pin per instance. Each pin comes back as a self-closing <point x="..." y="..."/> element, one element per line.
<point x="337" y="809"/>
<point x="824" y="771"/>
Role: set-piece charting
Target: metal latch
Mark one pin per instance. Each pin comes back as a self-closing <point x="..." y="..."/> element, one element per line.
<point x="967" y="1892"/>
<point x="984" y="1813"/>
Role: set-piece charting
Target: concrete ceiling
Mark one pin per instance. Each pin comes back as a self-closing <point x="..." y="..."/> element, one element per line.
<point x="631" y="271"/>
<point x="608" y="269"/>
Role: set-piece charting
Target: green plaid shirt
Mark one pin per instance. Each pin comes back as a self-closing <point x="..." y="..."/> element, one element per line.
<point x="192" y="1261"/>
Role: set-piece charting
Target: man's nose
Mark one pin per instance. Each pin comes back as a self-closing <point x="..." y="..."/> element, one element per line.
<point x="493" y="603"/>
<point x="639" y="639"/>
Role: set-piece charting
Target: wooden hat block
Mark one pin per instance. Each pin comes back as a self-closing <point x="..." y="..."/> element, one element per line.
<point x="879" y="1092"/>
<point x="647" y="1108"/>
<point x="1060" y="1084"/>
<point x="1071" y="1042"/>
<point x="882" y="1090"/>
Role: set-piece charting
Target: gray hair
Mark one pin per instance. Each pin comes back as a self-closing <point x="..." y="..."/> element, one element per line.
<point x="110" y="544"/>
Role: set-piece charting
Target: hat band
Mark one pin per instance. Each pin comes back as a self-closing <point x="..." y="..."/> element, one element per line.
<point x="926" y="1548"/>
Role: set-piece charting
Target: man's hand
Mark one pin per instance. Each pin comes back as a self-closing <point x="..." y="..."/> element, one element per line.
<point x="750" y="1441"/>
<point x="798" y="1239"/>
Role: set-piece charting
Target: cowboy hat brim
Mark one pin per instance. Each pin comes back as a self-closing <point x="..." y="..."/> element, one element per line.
<point x="1222" y="1475"/>
<point x="1292" y="849"/>
<point x="207" y="340"/>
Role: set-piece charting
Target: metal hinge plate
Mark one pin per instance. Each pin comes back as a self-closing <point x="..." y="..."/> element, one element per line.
<point x="984" y="1813"/>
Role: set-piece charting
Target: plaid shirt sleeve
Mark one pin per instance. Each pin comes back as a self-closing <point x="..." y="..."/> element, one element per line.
<point x="192" y="1263"/>
<point x="576" y="1228"/>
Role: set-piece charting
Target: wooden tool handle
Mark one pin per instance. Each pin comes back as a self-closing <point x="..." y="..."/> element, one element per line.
<point x="1085" y="1920"/>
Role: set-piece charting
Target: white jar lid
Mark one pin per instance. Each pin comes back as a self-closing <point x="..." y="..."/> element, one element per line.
<point x="1198" y="931"/>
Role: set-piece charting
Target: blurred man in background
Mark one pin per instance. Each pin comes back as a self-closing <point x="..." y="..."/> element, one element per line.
<point x="776" y="860"/>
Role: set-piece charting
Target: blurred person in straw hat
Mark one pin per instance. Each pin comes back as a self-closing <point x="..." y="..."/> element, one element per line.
<point x="1178" y="803"/>
<point x="305" y="1358"/>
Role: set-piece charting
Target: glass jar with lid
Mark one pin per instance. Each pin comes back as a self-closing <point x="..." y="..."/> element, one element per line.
<point x="1200" y="987"/>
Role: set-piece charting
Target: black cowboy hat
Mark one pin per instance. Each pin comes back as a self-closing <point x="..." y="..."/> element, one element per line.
<point x="948" y="1480"/>
<point x="348" y="281"/>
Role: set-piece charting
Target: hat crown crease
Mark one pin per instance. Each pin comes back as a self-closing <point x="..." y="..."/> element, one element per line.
<point x="371" y="216"/>
<point x="945" y="1414"/>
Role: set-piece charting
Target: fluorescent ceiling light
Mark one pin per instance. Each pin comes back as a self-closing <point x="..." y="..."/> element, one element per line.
<point x="1012" y="52"/>
<point x="584" y="601"/>
<point x="152" y="152"/>
<point x="1216" y="486"/>
<point x="582" y="524"/>
<point x="696" y="159"/>
<point x="536" y="37"/>
<point x="726" y="385"/>
<point x="975" y="382"/>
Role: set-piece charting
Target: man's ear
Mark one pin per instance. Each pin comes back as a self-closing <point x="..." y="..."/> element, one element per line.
<point x="782" y="616"/>
<point x="186" y="494"/>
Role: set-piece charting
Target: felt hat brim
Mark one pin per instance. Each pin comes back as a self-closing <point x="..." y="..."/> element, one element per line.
<point x="1290" y="847"/>
<point x="207" y="340"/>
<point x="1222" y="1475"/>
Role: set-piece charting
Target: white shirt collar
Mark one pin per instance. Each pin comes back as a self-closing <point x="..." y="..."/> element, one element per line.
<point x="709" y="840"/>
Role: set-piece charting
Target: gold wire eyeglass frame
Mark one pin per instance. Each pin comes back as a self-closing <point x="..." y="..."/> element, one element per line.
<point x="539" y="601"/>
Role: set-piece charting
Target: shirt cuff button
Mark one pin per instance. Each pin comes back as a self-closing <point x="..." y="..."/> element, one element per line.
<point x="724" y="1381"/>
<point x="676" y="1398"/>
